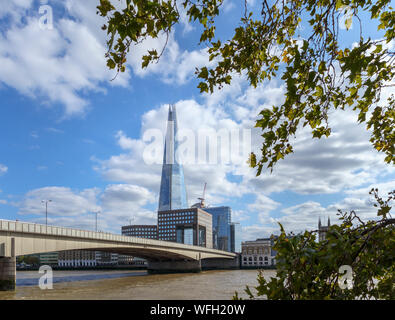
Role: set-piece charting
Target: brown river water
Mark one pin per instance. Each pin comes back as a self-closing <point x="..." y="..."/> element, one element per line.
<point x="131" y="285"/>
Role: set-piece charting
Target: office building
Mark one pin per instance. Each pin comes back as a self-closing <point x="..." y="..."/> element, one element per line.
<point x="106" y="258"/>
<point x="257" y="253"/>
<point x="77" y="258"/>
<point x="141" y="231"/>
<point x="221" y="227"/>
<point x="189" y="226"/>
<point x="235" y="234"/>
<point x="48" y="258"/>
<point x="125" y="259"/>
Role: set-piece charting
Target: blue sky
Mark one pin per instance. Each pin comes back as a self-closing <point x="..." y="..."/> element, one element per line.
<point x="69" y="134"/>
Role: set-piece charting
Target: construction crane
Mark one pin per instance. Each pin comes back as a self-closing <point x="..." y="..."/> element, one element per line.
<point x="202" y="198"/>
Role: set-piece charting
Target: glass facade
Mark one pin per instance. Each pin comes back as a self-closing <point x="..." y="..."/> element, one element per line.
<point x="188" y="236"/>
<point x="141" y="231"/>
<point x="235" y="235"/>
<point x="172" y="188"/>
<point x="188" y="226"/>
<point x="222" y="239"/>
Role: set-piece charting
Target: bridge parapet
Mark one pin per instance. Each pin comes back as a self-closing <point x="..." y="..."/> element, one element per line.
<point x="20" y="238"/>
<point x="19" y="227"/>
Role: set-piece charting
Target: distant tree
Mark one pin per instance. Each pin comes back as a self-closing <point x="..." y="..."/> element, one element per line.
<point x="29" y="259"/>
<point x="320" y="73"/>
<point x="307" y="269"/>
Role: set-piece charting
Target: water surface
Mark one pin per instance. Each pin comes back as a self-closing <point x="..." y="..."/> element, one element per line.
<point x="131" y="285"/>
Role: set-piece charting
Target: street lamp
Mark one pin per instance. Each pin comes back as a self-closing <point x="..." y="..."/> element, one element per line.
<point x="96" y="212"/>
<point x="130" y="220"/>
<point x="46" y="210"/>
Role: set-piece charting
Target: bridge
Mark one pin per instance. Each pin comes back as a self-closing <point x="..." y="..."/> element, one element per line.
<point x="24" y="238"/>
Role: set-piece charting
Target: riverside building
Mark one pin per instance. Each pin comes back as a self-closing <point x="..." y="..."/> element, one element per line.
<point x="141" y="231"/>
<point x="77" y="258"/>
<point x="258" y="253"/>
<point x="189" y="226"/>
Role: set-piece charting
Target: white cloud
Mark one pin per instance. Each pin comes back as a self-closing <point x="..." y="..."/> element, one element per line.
<point x="65" y="202"/>
<point x="61" y="63"/>
<point x="116" y="204"/>
<point x="3" y="169"/>
<point x="176" y="66"/>
<point x="123" y="202"/>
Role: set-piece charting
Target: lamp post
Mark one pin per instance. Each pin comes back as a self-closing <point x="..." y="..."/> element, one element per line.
<point x="96" y="213"/>
<point x="46" y="210"/>
<point x="130" y="220"/>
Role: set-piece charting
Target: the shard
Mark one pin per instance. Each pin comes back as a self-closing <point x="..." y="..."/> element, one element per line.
<point x="173" y="194"/>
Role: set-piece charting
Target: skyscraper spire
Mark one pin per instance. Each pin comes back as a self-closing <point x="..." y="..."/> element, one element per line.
<point x="172" y="187"/>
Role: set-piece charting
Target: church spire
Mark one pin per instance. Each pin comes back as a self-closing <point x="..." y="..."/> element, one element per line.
<point x="172" y="188"/>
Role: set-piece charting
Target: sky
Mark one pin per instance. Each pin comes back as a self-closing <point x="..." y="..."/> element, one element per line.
<point x="70" y="134"/>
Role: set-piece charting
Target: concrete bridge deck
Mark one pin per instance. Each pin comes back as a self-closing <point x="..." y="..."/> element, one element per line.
<point x="23" y="238"/>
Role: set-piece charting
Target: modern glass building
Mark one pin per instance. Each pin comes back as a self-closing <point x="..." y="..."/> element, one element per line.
<point x="189" y="226"/>
<point x="235" y="236"/>
<point x="140" y="231"/>
<point x="173" y="193"/>
<point x="222" y="239"/>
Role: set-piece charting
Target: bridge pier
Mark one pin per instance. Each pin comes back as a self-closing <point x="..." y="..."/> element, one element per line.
<point x="174" y="266"/>
<point x="7" y="273"/>
<point x="220" y="263"/>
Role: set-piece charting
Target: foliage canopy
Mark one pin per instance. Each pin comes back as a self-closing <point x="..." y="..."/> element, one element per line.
<point x="319" y="73"/>
<point x="307" y="269"/>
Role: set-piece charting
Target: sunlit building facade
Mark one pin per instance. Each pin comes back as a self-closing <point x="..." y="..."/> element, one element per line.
<point x="189" y="226"/>
<point x="235" y="237"/>
<point x="258" y="253"/>
<point x="77" y="258"/>
<point x="140" y="231"/>
<point x="222" y="230"/>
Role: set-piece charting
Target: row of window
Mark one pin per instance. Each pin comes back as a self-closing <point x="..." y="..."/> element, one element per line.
<point x="260" y="251"/>
<point x="77" y="264"/>
<point x="255" y="259"/>
<point x="135" y="234"/>
<point x="138" y="233"/>
<point x="166" y="233"/>
<point x="151" y="229"/>
<point x="175" y="219"/>
<point x="256" y="263"/>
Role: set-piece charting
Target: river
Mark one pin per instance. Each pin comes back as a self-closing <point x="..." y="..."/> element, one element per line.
<point x="130" y="284"/>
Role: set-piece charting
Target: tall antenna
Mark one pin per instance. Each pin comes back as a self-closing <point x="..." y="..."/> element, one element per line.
<point x="202" y="205"/>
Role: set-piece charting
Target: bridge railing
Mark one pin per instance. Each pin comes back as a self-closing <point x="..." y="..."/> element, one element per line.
<point x="33" y="228"/>
<point x="27" y="227"/>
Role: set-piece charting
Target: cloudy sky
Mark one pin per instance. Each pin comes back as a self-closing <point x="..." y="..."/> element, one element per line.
<point x="69" y="134"/>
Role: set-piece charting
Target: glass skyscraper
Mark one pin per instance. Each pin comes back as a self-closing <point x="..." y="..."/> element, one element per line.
<point x="173" y="193"/>
<point x="235" y="234"/>
<point x="222" y="236"/>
